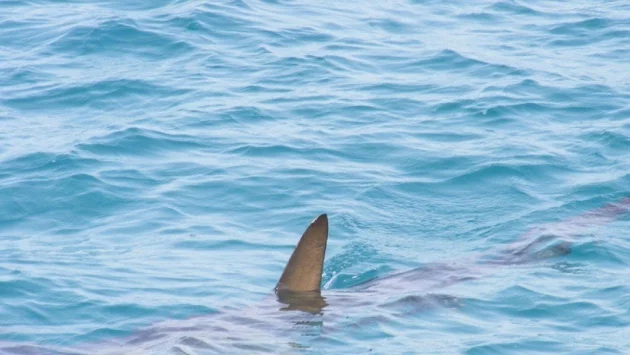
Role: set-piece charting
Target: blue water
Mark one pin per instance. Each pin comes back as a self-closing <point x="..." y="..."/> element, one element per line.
<point x="159" y="160"/>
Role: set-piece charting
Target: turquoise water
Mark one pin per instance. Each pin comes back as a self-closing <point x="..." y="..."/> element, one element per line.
<point x="159" y="160"/>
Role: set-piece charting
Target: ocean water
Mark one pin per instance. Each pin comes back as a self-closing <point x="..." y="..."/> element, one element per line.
<point x="160" y="159"/>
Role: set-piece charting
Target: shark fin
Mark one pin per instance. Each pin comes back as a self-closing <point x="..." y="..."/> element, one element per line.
<point x="304" y="270"/>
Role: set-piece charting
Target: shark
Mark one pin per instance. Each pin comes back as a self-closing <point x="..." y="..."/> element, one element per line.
<point x="299" y="286"/>
<point x="299" y="309"/>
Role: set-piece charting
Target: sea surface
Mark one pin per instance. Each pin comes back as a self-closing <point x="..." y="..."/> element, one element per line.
<point x="159" y="160"/>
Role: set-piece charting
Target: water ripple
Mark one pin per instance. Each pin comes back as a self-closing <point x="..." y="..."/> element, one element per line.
<point x="158" y="160"/>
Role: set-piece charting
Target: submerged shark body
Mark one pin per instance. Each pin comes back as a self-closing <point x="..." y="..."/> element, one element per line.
<point x="268" y="327"/>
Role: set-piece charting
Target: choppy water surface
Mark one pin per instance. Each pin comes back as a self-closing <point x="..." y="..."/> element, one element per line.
<point x="159" y="160"/>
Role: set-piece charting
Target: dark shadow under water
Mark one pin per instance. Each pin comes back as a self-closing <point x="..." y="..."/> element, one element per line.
<point x="293" y="320"/>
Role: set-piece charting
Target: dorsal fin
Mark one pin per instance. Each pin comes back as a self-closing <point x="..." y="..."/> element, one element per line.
<point x="304" y="269"/>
